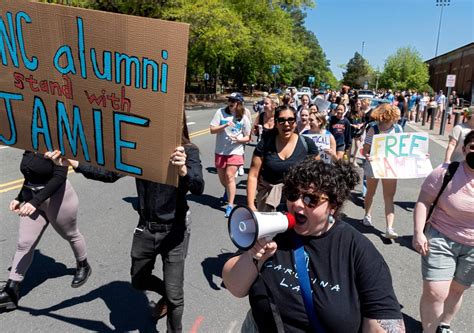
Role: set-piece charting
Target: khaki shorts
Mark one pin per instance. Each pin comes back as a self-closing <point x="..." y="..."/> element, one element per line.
<point x="447" y="260"/>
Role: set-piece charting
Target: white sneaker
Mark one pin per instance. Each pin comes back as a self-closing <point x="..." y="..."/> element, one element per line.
<point x="241" y="170"/>
<point x="390" y="233"/>
<point x="367" y="221"/>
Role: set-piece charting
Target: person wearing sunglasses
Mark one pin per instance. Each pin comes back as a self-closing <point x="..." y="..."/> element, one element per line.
<point x="276" y="152"/>
<point x="346" y="294"/>
<point x="445" y="240"/>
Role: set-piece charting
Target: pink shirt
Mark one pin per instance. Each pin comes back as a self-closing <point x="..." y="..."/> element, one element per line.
<point x="454" y="213"/>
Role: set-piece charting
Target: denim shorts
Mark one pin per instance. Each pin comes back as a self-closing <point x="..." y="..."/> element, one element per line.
<point x="447" y="259"/>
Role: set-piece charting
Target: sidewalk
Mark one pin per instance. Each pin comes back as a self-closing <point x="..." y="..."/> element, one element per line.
<point x="434" y="134"/>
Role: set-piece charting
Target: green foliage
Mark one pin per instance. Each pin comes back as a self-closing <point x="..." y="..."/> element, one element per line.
<point x="405" y="70"/>
<point x="237" y="40"/>
<point x="357" y="71"/>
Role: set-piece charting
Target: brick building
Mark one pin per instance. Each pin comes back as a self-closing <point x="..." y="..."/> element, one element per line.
<point x="459" y="62"/>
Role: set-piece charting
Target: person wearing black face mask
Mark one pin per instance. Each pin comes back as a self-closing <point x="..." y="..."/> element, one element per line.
<point x="447" y="243"/>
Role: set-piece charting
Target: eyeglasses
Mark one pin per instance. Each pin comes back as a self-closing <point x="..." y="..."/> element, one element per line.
<point x="282" y="121"/>
<point x="310" y="200"/>
<point x="470" y="147"/>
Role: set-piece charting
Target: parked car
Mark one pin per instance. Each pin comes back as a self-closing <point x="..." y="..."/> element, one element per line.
<point x="365" y="94"/>
<point x="306" y="90"/>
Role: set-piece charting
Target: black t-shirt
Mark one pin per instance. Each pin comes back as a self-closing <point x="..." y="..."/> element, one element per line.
<point x="40" y="171"/>
<point x="273" y="167"/>
<point x="350" y="280"/>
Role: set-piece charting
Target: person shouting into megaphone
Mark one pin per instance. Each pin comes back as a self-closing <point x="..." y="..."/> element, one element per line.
<point x="318" y="277"/>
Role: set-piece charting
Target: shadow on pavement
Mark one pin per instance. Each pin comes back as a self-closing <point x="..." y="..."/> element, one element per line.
<point x="216" y="203"/>
<point x="213" y="267"/>
<point x="212" y="170"/>
<point x="43" y="268"/>
<point x="128" y="309"/>
<point x="357" y="199"/>
<point x="409" y="206"/>
<point x="206" y="200"/>
<point x="404" y="241"/>
<point x="365" y="230"/>
<point x="411" y="324"/>
<point x="133" y="201"/>
<point x="242" y="184"/>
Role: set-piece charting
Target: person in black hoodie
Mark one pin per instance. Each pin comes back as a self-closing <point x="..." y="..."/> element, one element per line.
<point x="46" y="197"/>
<point x="162" y="227"/>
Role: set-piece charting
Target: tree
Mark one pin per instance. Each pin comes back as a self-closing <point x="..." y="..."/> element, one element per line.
<point x="405" y="70"/>
<point x="357" y="71"/>
<point x="237" y="40"/>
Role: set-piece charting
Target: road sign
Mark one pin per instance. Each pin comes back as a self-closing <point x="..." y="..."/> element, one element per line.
<point x="450" y="81"/>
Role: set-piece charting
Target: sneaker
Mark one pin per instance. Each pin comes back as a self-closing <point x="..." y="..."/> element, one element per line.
<point x="228" y="210"/>
<point x="367" y="221"/>
<point x="390" y="233"/>
<point x="444" y="329"/>
<point x="241" y="170"/>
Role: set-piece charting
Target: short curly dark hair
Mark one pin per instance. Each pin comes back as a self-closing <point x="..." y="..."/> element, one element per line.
<point x="469" y="138"/>
<point x="336" y="180"/>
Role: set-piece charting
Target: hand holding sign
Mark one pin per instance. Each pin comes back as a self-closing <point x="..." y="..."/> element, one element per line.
<point x="178" y="158"/>
<point x="57" y="159"/>
<point x="400" y="155"/>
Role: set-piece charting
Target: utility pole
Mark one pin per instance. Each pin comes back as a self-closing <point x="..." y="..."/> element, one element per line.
<point x="442" y="4"/>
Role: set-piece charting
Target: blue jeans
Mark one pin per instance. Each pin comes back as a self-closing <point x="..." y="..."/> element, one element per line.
<point x="171" y="242"/>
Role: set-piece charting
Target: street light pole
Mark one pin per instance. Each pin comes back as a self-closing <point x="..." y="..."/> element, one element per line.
<point x="442" y="4"/>
<point x="363" y="43"/>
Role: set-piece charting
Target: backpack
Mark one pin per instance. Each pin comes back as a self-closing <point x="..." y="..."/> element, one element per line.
<point x="453" y="166"/>
<point x="302" y="138"/>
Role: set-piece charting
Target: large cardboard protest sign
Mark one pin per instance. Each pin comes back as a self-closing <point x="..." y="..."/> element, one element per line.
<point x="323" y="142"/>
<point x="103" y="88"/>
<point x="400" y="155"/>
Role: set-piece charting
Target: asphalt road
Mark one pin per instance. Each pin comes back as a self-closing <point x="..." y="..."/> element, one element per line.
<point x="108" y="303"/>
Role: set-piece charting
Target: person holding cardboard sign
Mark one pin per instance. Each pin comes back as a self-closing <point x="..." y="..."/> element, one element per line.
<point x="163" y="227"/>
<point x="386" y="117"/>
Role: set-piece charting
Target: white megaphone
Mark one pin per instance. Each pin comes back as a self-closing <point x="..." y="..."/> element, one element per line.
<point x="246" y="226"/>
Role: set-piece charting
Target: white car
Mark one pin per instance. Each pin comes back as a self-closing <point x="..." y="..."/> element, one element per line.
<point x="306" y="90"/>
<point x="365" y="94"/>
